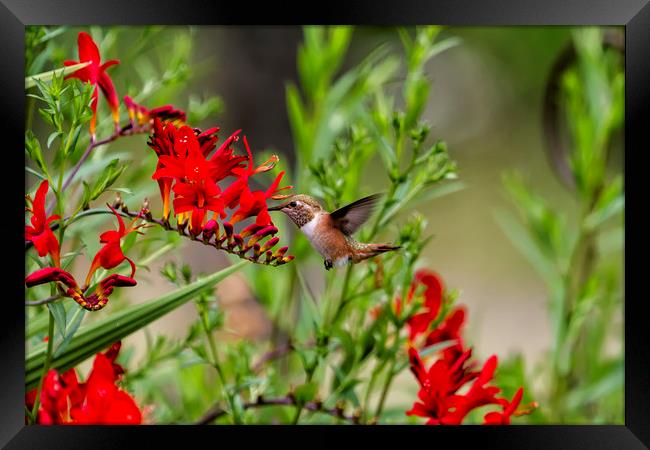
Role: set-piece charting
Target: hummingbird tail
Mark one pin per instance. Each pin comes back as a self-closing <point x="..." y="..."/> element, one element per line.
<point x="369" y="250"/>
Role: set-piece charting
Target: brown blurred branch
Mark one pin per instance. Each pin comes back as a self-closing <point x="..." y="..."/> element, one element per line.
<point x="289" y="400"/>
<point x="42" y="301"/>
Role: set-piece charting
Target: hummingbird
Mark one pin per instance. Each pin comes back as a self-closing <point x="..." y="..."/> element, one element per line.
<point x="331" y="233"/>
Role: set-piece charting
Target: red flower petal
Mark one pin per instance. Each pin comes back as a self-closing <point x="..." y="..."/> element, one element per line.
<point x="88" y="50"/>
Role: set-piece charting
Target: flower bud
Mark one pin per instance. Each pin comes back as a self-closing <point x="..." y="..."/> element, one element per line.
<point x="238" y="241"/>
<point x="270" y="244"/>
<point x="266" y="231"/>
<point x="256" y="250"/>
<point x="281" y="251"/>
<point x="250" y="229"/>
<point x="210" y="229"/>
<point x="116" y="280"/>
<point x="228" y="229"/>
<point x="49" y="274"/>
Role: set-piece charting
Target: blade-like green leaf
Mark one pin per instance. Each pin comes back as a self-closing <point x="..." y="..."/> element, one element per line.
<point x="97" y="336"/>
<point x="31" y="80"/>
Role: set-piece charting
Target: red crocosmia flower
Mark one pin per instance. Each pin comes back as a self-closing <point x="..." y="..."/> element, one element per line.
<point x="105" y="403"/>
<point x="436" y="391"/>
<point x="110" y="255"/>
<point x="67" y="284"/>
<point x="195" y="190"/>
<point x="234" y="191"/>
<point x="161" y="141"/>
<point x="509" y="408"/>
<point x="449" y="330"/>
<point x="252" y="203"/>
<point x="434" y="288"/>
<point x="439" y="401"/>
<point x="182" y="157"/>
<point x="479" y="394"/>
<point x="140" y="115"/>
<point x="57" y="392"/>
<point x="40" y="233"/>
<point x="95" y="74"/>
<point x="97" y="401"/>
<point x="197" y="198"/>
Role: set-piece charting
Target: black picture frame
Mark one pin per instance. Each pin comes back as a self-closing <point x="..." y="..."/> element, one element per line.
<point x="634" y="15"/>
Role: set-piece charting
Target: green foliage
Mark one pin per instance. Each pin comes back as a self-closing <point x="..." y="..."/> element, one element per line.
<point x="101" y="334"/>
<point x="583" y="384"/>
<point x="106" y="179"/>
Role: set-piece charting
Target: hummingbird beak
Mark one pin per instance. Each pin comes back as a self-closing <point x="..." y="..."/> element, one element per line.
<point x="276" y="208"/>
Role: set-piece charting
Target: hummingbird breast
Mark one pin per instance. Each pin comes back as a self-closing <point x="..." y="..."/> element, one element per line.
<point x="328" y="240"/>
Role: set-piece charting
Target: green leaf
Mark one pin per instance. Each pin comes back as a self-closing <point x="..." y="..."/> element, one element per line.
<point x="441" y="46"/>
<point x="305" y="392"/>
<point x="31" y="80"/>
<point x="72" y="327"/>
<point x="51" y="34"/>
<point x="33" y="147"/>
<point x="528" y="247"/>
<point x="610" y="381"/>
<point x="126" y="191"/>
<point x="295" y="111"/>
<point x="71" y="145"/>
<point x="110" y="174"/>
<point x="386" y="150"/>
<point x="310" y="305"/>
<point x="53" y="136"/>
<point x="59" y="314"/>
<point x="35" y="173"/>
<point x="610" y="203"/>
<point x="37" y="325"/>
<point x="98" y="335"/>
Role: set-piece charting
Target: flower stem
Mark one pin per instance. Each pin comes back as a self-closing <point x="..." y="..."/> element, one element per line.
<point x="46" y="366"/>
<point x="370" y="386"/>
<point x="217" y="411"/>
<point x="578" y="271"/>
<point x="343" y="299"/>
<point x="215" y="361"/>
<point x="44" y="301"/>
<point x="299" y="406"/>
<point x="384" y="392"/>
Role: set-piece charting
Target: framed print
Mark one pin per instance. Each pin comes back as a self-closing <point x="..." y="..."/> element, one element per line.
<point x="398" y="221"/>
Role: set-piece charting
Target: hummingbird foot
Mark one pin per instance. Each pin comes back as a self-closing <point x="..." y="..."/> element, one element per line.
<point x="328" y="264"/>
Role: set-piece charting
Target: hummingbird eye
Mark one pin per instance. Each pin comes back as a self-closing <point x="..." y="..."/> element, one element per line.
<point x="293" y="204"/>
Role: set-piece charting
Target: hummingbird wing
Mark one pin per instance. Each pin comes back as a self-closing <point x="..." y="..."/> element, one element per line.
<point x="350" y="217"/>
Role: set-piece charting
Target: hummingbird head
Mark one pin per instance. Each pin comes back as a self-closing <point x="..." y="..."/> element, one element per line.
<point x="300" y="208"/>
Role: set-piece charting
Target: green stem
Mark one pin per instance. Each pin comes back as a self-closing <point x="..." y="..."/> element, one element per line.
<point x="46" y="366"/>
<point x="577" y="272"/>
<point x="342" y="299"/>
<point x="384" y="392"/>
<point x="389" y="376"/>
<point x="215" y="362"/>
<point x="369" y="388"/>
<point x="299" y="406"/>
